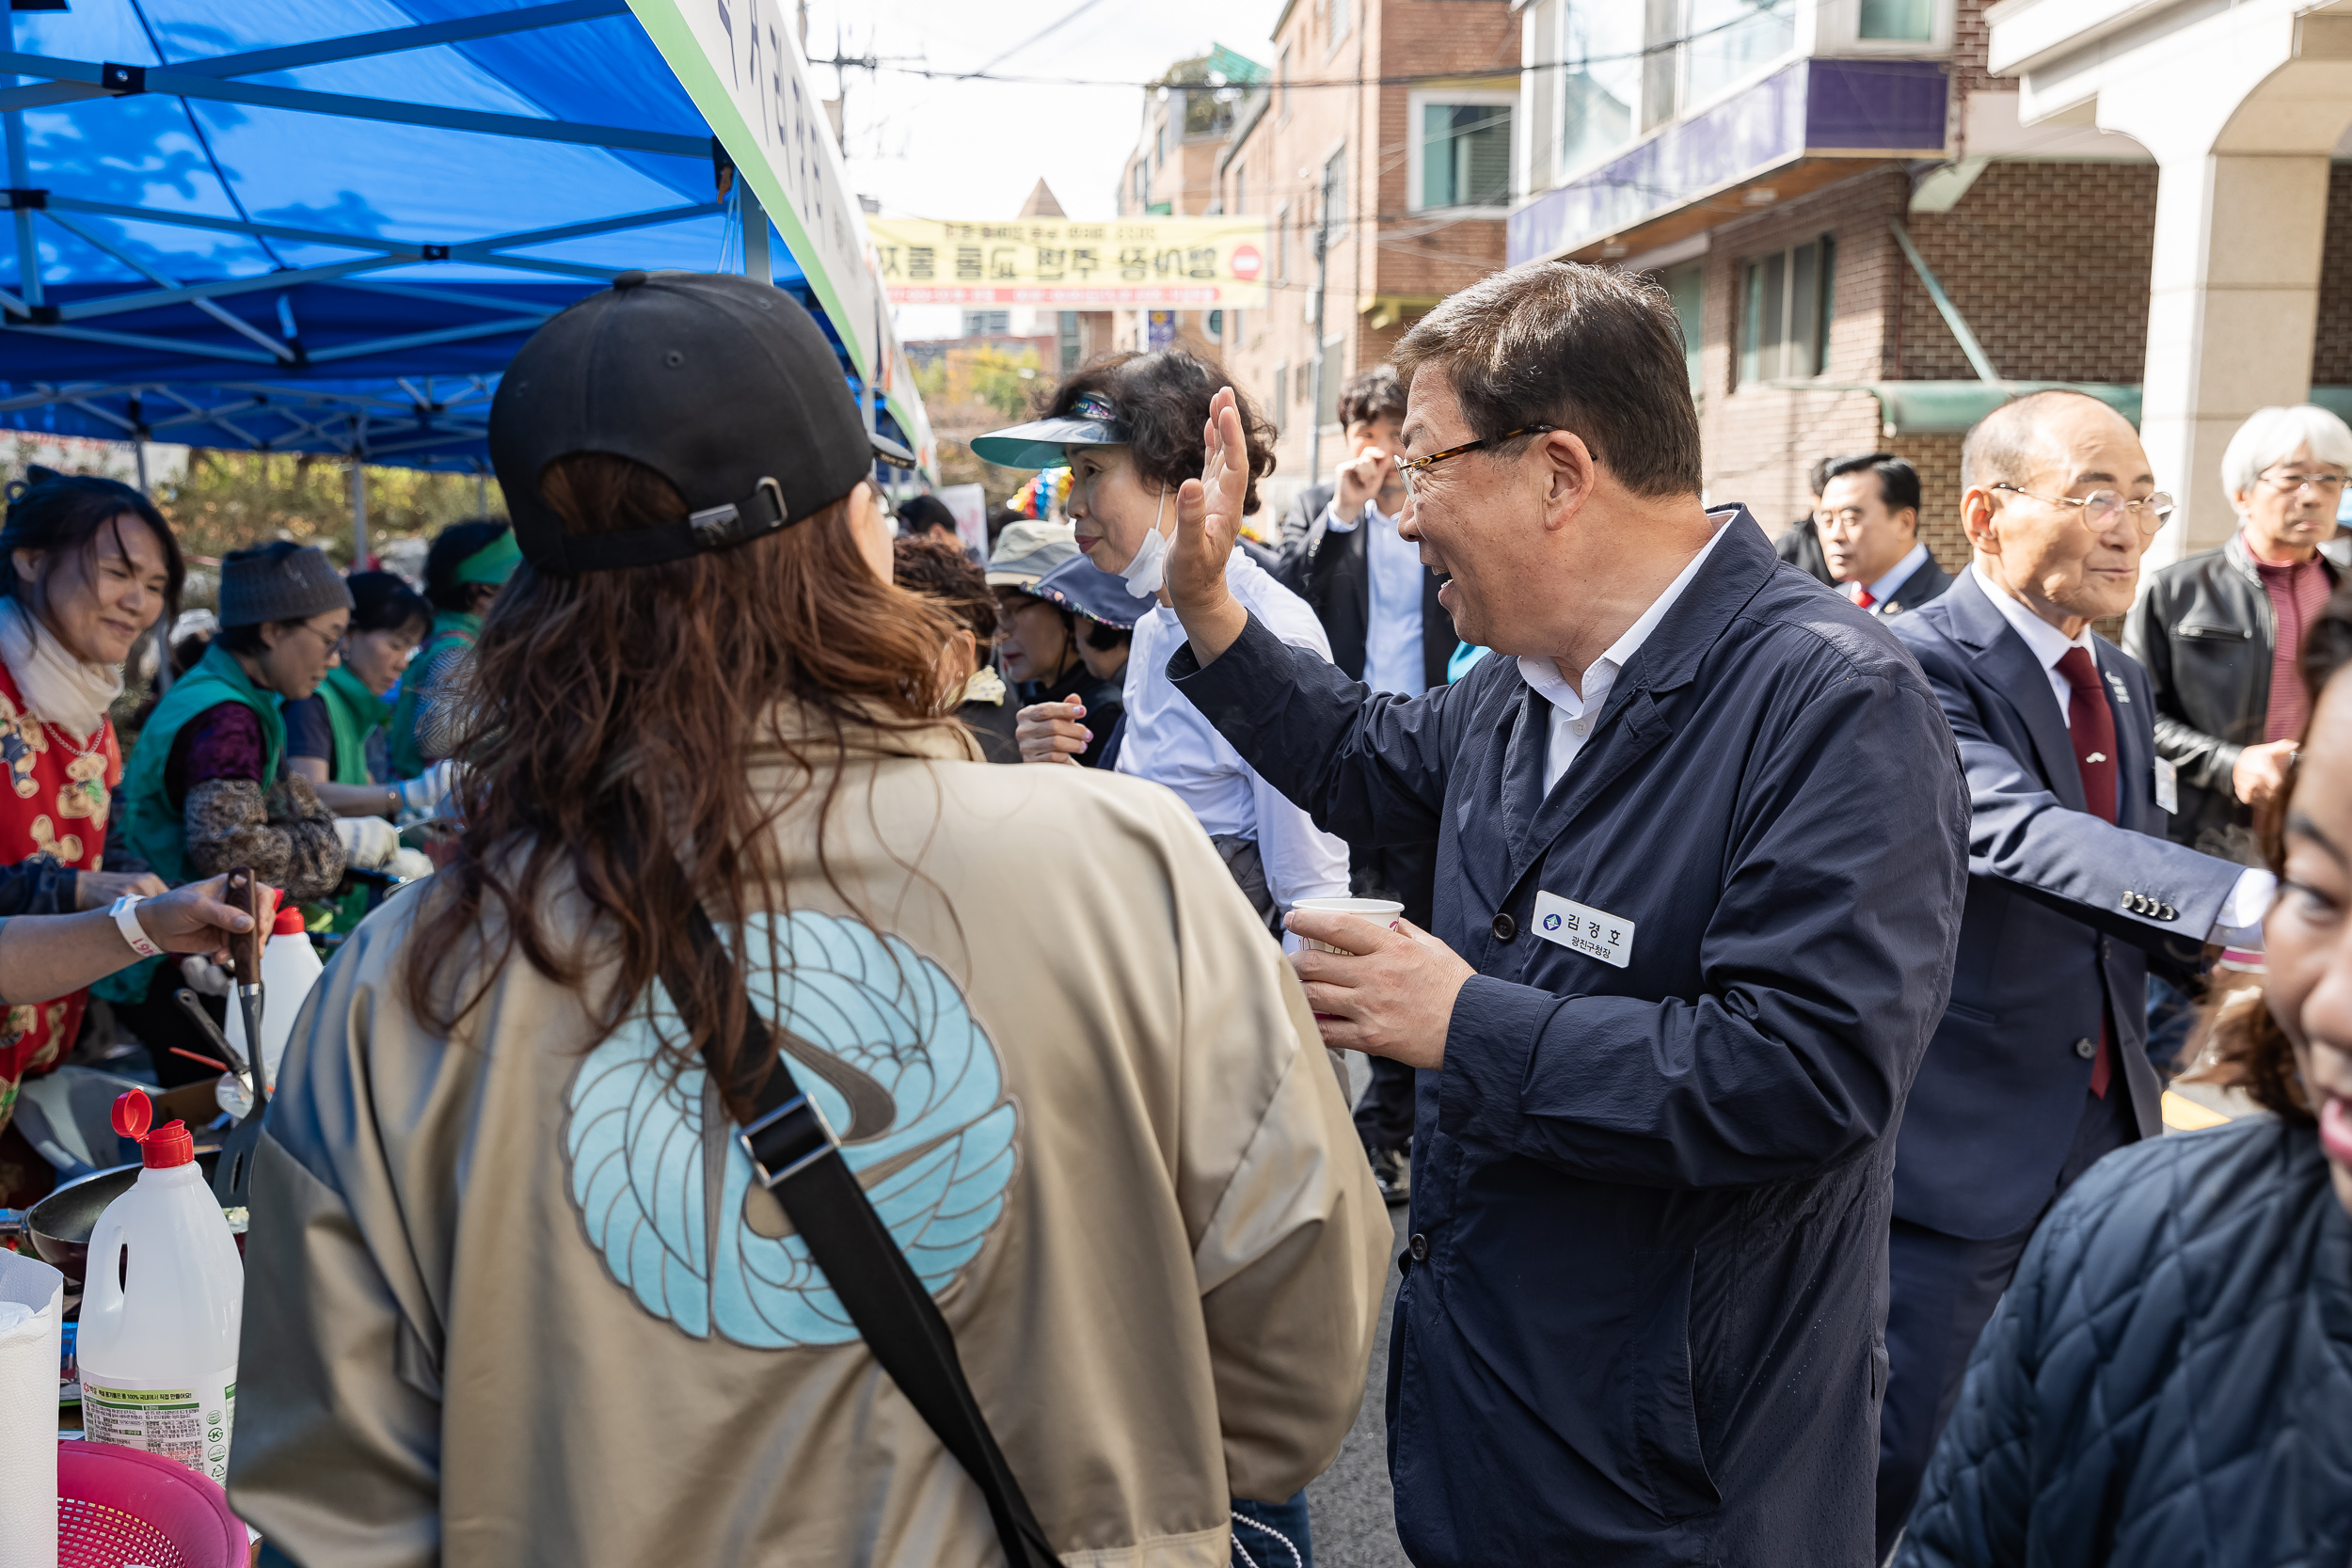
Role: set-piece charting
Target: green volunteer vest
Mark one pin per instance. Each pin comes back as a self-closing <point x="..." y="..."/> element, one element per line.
<point x="448" y="626"/>
<point x="152" y="826"/>
<point x="353" y="713"/>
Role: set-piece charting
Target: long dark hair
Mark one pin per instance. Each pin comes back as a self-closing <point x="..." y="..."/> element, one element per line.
<point x="610" y="734"/>
<point x="2244" y="1047"/>
<point x="65" y="515"/>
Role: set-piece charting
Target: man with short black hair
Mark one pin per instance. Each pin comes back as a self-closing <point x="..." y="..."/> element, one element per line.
<point x="1868" y="525"/>
<point x="1701" y="851"/>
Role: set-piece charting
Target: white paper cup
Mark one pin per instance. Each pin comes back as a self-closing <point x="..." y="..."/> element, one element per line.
<point x="1380" y="912"/>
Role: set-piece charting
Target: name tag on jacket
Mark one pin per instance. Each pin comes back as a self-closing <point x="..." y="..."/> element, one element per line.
<point x="1595" y="933"/>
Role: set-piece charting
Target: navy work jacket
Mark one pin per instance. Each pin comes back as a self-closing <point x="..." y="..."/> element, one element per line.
<point x="2061" y="904"/>
<point x="1643" y="1316"/>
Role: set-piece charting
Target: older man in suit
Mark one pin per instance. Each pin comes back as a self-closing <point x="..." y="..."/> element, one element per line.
<point x="1379" y="606"/>
<point x="1868" y="523"/>
<point x="2040" y="1065"/>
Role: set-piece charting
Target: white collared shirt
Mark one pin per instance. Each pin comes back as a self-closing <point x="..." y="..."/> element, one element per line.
<point x="1883" y="589"/>
<point x="1574" y="712"/>
<point x="1168" y="741"/>
<point x="2042" y="640"/>
<point x="2239" y="924"/>
<point x="1394" y="576"/>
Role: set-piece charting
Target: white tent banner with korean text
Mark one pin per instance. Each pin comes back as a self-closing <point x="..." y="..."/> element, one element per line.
<point x="740" y="61"/>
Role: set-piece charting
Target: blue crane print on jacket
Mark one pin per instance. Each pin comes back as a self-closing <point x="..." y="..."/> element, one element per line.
<point x="881" y="1037"/>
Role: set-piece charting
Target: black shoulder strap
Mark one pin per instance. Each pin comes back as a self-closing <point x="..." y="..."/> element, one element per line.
<point x="796" y="1156"/>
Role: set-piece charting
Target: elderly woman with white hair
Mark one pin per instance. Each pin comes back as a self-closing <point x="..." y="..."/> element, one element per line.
<point x="2219" y="631"/>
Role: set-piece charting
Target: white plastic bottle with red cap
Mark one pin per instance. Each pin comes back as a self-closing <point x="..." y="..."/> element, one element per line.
<point x="162" y="1302"/>
<point x="289" y="967"/>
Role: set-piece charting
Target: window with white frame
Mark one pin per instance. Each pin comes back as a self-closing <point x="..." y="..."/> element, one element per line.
<point x="1602" y="44"/>
<point x="1786" y="302"/>
<point x="1461" y="150"/>
<point x="1728" y="40"/>
<point x="1896" y="21"/>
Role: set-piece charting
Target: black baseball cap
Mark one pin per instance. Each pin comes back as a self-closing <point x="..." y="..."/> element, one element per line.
<point x="723" y="385"/>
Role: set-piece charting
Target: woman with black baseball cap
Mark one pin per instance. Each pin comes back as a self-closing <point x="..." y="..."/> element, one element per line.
<point x="736" y="913"/>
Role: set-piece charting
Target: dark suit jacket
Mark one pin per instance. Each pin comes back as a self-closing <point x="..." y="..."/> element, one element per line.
<point x="2051" y="941"/>
<point x="1643" y="1319"/>
<point x="1329" y="571"/>
<point x="1923" y="586"/>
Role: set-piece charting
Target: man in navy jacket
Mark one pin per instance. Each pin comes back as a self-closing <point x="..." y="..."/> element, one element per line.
<point x="1701" y="853"/>
<point x="2040" y="1066"/>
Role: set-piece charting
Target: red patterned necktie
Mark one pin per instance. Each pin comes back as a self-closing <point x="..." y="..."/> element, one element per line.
<point x="2091" y="723"/>
<point x="1864" y="597"/>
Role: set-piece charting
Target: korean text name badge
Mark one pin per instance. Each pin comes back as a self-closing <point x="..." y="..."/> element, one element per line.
<point x="1595" y="933"/>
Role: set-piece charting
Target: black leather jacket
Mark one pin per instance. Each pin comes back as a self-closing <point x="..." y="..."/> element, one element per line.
<point x="2206" y="631"/>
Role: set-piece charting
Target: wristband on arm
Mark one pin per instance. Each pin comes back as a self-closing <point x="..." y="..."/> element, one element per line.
<point x="127" y="922"/>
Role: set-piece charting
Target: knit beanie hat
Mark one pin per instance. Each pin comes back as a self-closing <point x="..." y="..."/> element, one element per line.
<point x="278" y="582"/>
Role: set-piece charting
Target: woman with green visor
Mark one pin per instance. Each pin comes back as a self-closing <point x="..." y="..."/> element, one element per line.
<point x="465" y="569"/>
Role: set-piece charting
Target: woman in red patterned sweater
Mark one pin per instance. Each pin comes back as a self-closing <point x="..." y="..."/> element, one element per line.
<point x="86" y="567"/>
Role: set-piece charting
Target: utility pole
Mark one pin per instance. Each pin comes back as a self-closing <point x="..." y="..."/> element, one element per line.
<point x="1323" y="269"/>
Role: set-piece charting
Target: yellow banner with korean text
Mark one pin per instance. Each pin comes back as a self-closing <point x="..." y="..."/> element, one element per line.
<point x="1191" y="263"/>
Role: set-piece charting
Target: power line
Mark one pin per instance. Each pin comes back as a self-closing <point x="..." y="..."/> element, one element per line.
<point x="1662" y="46"/>
<point x="1037" y="36"/>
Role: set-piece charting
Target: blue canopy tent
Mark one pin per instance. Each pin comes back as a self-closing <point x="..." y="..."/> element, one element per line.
<point x="325" y="226"/>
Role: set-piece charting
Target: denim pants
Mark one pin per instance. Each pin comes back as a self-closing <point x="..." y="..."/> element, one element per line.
<point x="1254" y="1544"/>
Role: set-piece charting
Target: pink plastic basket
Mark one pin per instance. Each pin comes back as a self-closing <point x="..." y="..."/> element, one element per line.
<point x="118" y="1507"/>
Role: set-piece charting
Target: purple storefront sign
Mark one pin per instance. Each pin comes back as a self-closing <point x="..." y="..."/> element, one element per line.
<point x="1808" y="106"/>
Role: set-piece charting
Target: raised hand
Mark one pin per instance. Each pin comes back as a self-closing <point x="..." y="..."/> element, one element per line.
<point x="1208" y="523"/>
<point x="1359" y="480"/>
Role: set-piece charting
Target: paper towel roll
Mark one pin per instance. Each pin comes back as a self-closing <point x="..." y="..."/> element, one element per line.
<point x="29" y="1353"/>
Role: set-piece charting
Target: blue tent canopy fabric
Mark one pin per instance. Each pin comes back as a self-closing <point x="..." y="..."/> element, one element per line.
<point x="326" y="224"/>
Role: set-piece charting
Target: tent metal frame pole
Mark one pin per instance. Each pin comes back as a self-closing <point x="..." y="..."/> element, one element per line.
<point x="757" y="262"/>
<point x="358" y="496"/>
<point x="173" y="81"/>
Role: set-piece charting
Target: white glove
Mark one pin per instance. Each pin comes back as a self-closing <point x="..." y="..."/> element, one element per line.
<point x="409" y="864"/>
<point x="427" y="794"/>
<point x="368" y="841"/>
<point x="204" y="977"/>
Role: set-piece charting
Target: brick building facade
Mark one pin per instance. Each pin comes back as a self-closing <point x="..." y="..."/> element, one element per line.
<point x="1407" y="184"/>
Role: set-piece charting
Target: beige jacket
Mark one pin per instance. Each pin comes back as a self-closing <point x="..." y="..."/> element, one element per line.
<point x="511" y="1301"/>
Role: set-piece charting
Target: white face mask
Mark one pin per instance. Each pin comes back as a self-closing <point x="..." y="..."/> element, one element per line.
<point x="1148" y="572"/>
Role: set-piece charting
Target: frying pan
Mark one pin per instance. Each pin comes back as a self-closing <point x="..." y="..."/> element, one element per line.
<point x="60" y="1223"/>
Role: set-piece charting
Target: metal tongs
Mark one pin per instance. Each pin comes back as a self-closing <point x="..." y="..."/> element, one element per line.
<point x="232" y="1178"/>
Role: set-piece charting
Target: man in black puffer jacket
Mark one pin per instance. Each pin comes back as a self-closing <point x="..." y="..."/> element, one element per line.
<point x="2169" y="1379"/>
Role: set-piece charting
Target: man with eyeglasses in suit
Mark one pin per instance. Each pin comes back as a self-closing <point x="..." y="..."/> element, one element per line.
<point x="2040" y="1065"/>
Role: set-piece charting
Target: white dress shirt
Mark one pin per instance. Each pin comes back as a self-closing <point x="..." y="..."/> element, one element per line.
<point x="1895" y="576"/>
<point x="1168" y="741"/>
<point x="1394" y="575"/>
<point x="1573" y="712"/>
<point x="2239" y="924"/>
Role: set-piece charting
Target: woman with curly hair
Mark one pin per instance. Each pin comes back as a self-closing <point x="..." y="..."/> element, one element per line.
<point x="1132" y="427"/>
<point x="2168" y="1381"/>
